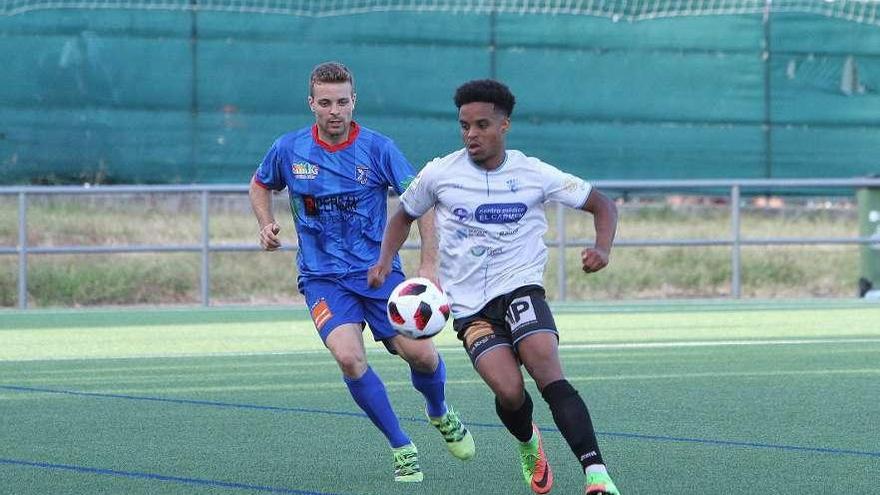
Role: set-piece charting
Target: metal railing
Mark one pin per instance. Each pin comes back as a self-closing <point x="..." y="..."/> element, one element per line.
<point x="734" y="187"/>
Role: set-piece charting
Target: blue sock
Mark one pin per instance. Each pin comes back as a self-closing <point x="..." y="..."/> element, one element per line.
<point x="432" y="386"/>
<point x="369" y="393"/>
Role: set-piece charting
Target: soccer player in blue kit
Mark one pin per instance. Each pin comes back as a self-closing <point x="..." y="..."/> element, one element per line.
<point x="337" y="174"/>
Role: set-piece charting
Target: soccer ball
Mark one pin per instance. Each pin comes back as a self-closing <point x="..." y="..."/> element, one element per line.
<point x="417" y="308"/>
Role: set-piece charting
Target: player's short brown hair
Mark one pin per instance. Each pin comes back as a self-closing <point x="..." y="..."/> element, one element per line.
<point x="330" y="72"/>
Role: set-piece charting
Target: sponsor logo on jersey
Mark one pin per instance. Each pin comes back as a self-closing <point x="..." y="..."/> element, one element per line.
<point x="309" y="205"/>
<point x="521" y="312"/>
<point x="304" y="170"/>
<point x="486" y="250"/>
<point x="468" y="232"/>
<point x="461" y="213"/>
<point x="513" y="185"/>
<point x="465" y="232"/>
<point x="362" y="174"/>
<point x="315" y="206"/>
<point x="478" y="250"/>
<point x="500" y="212"/>
<point x="572" y="185"/>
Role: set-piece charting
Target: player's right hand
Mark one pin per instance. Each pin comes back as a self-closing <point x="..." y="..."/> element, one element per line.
<point x="376" y="275"/>
<point x="269" y="239"/>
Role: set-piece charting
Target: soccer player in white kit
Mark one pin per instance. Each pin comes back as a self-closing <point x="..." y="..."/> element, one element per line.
<point x="489" y="203"/>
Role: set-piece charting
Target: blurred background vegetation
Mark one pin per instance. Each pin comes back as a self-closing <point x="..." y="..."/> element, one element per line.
<point x="257" y="277"/>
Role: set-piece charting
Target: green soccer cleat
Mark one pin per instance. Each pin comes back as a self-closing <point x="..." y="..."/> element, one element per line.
<point x="459" y="440"/>
<point x="535" y="469"/>
<point x="599" y="483"/>
<point x="406" y="464"/>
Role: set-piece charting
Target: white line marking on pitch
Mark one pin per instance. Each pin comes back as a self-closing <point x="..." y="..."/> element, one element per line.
<point x="715" y="343"/>
<point x="610" y="345"/>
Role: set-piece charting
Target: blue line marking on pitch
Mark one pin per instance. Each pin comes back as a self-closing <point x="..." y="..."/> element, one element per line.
<point x="637" y="436"/>
<point x="181" y="401"/>
<point x="704" y="441"/>
<point x="732" y="443"/>
<point x="159" y="477"/>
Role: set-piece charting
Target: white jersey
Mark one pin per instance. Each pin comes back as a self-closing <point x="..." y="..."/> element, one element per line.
<point x="491" y="222"/>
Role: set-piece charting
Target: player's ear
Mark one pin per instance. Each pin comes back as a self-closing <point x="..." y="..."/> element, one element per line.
<point x="311" y="103"/>
<point x="354" y="99"/>
<point x="505" y="125"/>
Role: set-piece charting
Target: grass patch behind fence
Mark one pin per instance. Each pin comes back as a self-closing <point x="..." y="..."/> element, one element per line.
<point x="258" y="277"/>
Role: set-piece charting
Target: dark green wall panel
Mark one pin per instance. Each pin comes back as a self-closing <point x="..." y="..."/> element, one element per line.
<point x="158" y="97"/>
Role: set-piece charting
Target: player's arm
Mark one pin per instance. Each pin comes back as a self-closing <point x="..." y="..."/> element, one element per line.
<point x="605" y="221"/>
<point x="396" y="232"/>
<point x="429" y="246"/>
<point x="261" y="203"/>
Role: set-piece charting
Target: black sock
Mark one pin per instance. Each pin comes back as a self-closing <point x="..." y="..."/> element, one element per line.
<point x="519" y="422"/>
<point x="571" y="416"/>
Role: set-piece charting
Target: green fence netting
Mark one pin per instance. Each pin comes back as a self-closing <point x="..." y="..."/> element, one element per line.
<point x="195" y="91"/>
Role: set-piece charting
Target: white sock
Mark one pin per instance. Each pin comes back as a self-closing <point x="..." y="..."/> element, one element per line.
<point x="595" y="468"/>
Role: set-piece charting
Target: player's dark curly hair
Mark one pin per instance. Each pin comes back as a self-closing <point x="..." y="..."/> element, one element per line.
<point x="486" y="91"/>
<point x="330" y="72"/>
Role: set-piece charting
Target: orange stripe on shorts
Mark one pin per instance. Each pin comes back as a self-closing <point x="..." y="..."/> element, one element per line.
<point x="475" y="330"/>
<point x="321" y="314"/>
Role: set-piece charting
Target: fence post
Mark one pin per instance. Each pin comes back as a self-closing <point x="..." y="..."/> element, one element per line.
<point x="22" y="251"/>
<point x="561" y="279"/>
<point x="869" y="227"/>
<point x="735" y="266"/>
<point x="206" y="250"/>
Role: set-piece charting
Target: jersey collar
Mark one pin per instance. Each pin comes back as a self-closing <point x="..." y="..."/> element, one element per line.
<point x="352" y="135"/>
<point x="482" y="169"/>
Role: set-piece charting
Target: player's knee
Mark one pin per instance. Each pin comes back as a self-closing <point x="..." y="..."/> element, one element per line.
<point x="509" y="394"/>
<point x="546" y="376"/>
<point x="419" y="354"/>
<point x="352" y="364"/>
<point x="539" y="347"/>
<point x="424" y="362"/>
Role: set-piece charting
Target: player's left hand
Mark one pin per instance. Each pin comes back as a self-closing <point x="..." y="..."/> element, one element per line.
<point x="376" y="275"/>
<point x="594" y="259"/>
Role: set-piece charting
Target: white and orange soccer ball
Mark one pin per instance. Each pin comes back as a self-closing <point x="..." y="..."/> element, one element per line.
<point x="417" y="308"/>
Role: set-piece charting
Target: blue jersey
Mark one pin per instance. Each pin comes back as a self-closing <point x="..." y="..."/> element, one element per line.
<point x="338" y="196"/>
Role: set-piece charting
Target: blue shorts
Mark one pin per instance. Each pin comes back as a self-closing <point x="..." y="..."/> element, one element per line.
<point x="336" y="301"/>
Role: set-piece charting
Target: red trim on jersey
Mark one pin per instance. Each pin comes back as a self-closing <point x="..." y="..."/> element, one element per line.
<point x="352" y="135"/>
<point x="264" y="186"/>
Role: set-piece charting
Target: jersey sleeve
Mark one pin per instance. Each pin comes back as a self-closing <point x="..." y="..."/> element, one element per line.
<point x="396" y="168"/>
<point x="269" y="173"/>
<point x="420" y="196"/>
<point x="570" y="190"/>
